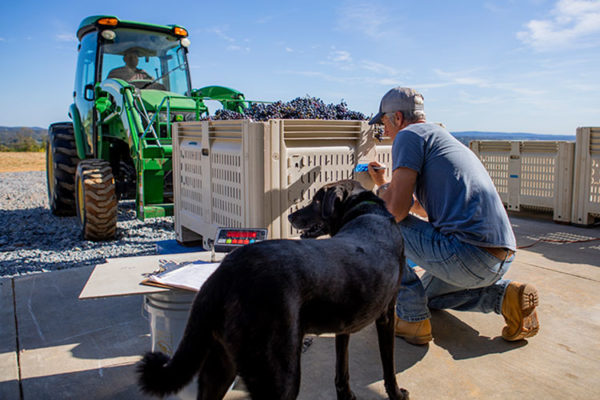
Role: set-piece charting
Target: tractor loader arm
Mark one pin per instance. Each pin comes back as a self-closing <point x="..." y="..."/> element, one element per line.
<point x="231" y="99"/>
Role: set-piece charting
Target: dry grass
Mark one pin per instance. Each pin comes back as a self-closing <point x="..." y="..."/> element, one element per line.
<point x="22" y="161"/>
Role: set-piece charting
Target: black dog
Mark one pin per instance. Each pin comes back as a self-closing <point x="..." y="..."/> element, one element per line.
<point x="251" y="315"/>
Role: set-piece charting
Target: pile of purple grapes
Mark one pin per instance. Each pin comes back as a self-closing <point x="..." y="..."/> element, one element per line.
<point x="299" y="108"/>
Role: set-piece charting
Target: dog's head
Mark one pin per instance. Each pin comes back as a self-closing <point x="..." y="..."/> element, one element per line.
<point x="325" y="212"/>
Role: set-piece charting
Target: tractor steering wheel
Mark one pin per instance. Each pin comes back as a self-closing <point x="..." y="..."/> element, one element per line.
<point x="147" y="84"/>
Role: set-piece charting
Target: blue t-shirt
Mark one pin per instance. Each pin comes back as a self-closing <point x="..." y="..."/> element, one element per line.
<point x="453" y="186"/>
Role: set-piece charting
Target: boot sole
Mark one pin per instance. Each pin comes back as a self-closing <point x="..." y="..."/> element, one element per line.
<point x="530" y="325"/>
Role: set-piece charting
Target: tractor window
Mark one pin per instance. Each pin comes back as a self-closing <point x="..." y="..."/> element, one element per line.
<point x="147" y="60"/>
<point x="86" y="64"/>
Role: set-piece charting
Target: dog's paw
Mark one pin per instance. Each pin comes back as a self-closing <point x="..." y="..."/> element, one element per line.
<point x="346" y="396"/>
<point x="402" y="394"/>
<point x="344" y="393"/>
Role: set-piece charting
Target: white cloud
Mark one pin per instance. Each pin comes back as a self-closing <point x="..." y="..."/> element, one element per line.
<point x="316" y="74"/>
<point x="234" y="47"/>
<point x="493" y="7"/>
<point x="367" y="18"/>
<point x="289" y="50"/>
<point x="388" y="82"/>
<point x="468" y="98"/>
<point x="265" y="19"/>
<point x="572" y="23"/>
<point x="462" y="78"/>
<point x="66" y="37"/>
<point x="340" y="56"/>
<point x="220" y="33"/>
<point x="468" y="79"/>
<point x="233" y="43"/>
<point x="379" y="68"/>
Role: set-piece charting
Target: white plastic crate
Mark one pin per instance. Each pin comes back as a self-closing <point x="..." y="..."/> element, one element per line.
<point x="586" y="192"/>
<point x="240" y="173"/>
<point x="495" y="156"/>
<point x="532" y="174"/>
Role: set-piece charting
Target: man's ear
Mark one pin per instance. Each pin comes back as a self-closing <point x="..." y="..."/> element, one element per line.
<point x="399" y="119"/>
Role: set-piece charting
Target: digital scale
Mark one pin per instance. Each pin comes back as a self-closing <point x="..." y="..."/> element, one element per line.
<point x="228" y="239"/>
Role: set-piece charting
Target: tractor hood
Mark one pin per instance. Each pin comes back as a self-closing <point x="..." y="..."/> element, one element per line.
<point x="153" y="98"/>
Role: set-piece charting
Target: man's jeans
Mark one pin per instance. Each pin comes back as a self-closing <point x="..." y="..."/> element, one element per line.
<point x="457" y="275"/>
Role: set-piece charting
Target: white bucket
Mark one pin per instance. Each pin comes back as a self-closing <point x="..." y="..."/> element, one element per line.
<point x="168" y="313"/>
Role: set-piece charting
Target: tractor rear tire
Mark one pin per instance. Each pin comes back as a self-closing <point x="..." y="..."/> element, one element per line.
<point x="61" y="164"/>
<point x="96" y="199"/>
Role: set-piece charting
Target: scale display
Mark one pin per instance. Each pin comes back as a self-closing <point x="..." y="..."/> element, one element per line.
<point x="228" y="239"/>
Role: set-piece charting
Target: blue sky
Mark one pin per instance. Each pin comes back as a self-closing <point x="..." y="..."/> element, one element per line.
<point x="503" y="65"/>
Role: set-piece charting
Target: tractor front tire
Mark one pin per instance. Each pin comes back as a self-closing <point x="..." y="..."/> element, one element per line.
<point x="61" y="163"/>
<point x="96" y="199"/>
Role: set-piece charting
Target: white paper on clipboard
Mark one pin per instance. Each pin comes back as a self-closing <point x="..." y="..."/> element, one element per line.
<point x="190" y="276"/>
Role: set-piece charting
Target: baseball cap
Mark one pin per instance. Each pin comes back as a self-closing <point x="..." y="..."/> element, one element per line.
<point x="398" y="99"/>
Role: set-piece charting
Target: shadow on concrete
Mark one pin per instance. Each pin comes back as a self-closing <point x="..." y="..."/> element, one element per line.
<point x="102" y="383"/>
<point x="462" y="341"/>
<point x="318" y="365"/>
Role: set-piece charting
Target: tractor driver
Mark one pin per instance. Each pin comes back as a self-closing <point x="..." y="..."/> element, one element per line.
<point x="130" y="72"/>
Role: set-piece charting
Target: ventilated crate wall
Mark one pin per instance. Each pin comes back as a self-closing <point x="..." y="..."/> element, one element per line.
<point x="586" y="196"/>
<point x="383" y="155"/>
<point x="495" y="156"/>
<point x="254" y="174"/>
<point x="535" y="174"/>
<point x="312" y="153"/>
<point x="214" y="180"/>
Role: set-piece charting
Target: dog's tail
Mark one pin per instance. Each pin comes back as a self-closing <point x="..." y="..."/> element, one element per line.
<point x="160" y="375"/>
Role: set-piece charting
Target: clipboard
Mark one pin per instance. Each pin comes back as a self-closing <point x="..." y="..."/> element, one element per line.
<point x="187" y="275"/>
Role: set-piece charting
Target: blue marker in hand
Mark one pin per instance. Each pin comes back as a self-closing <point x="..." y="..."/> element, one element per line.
<point x="364" y="167"/>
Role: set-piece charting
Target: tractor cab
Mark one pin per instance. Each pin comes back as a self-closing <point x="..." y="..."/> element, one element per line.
<point x="133" y="52"/>
<point x="145" y="59"/>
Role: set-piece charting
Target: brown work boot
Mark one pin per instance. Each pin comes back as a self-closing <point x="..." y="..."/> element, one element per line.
<point x="518" y="309"/>
<point x="413" y="332"/>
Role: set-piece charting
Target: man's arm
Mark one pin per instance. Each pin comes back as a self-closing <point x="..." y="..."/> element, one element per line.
<point x="399" y="195"/>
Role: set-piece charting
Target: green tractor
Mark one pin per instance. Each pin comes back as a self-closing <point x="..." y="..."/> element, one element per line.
<point x="132" y="82"/>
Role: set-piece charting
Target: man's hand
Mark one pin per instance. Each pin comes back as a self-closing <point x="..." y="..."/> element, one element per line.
<point x="376" y="175"/>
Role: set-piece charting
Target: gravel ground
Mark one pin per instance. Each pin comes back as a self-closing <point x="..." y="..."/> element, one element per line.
<point x="33" y="240"/>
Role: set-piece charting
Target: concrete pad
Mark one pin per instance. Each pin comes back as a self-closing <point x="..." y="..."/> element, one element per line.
<point x="9" y="369"/>
<point x="74" y="348"/>
<point x="77" y="349"/>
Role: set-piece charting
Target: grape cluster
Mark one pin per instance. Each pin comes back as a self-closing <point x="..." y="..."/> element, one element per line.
<point x="299" y="108"/>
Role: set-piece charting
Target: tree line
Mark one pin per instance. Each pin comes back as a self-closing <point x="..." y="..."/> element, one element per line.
<point x="22" y="139"/>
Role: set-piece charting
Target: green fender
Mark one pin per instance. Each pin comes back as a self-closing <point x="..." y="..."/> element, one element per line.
<point x="78" y="132"/>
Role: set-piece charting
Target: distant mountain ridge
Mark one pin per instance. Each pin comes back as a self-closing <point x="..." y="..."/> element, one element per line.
<point x="9" y="136"/>
<point x="466" y="136"/>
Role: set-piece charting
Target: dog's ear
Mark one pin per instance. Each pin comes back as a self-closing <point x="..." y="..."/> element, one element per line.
<point x="333" y="196"/>
<point x="357" y="187"/>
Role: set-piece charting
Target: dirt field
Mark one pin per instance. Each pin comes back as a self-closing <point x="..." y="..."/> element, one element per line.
<point x="22" y="161"/>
